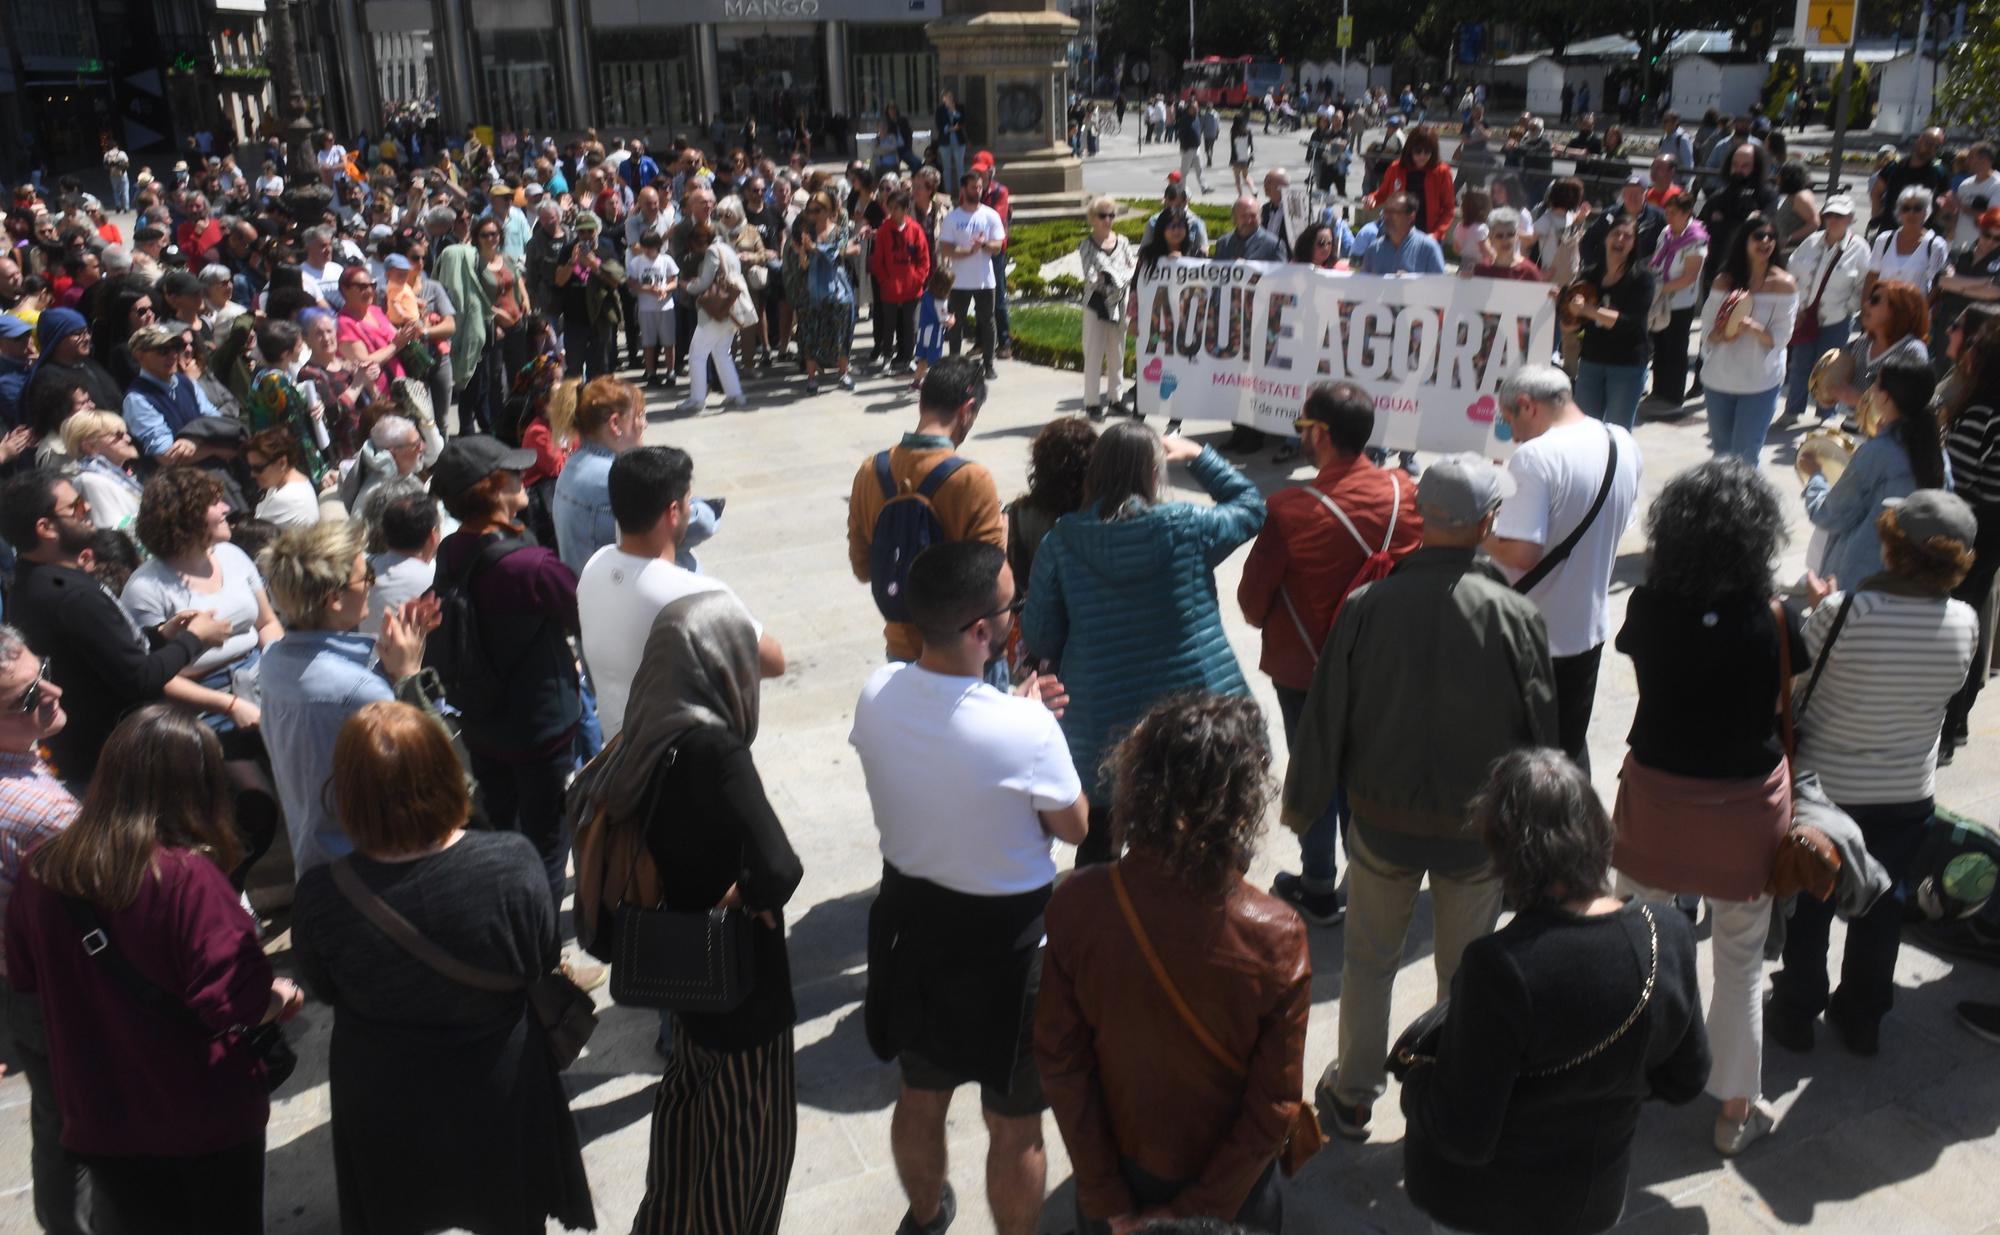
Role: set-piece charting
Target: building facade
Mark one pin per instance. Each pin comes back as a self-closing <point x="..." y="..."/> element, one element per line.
<point x="669" y="66"/>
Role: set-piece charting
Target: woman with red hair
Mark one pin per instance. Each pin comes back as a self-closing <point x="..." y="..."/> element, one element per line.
<point x="1895" y="320"/>
<point x="1422" y="172"/>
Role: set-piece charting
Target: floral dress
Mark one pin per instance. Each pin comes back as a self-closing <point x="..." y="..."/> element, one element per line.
<point x="277" y="402"/>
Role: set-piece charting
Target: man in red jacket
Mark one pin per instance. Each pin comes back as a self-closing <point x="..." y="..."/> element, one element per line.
<point x="900" y="260"/>
<point x="1319" y="542"/>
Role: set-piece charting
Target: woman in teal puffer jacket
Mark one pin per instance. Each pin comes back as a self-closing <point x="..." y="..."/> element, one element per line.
<point x="1123" y="596"/>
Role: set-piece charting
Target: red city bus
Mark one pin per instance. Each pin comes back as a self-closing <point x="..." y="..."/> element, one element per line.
<point x="1230" y="81"/>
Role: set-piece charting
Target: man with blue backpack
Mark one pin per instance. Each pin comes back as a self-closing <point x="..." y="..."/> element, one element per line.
<point x="920" y="492"/>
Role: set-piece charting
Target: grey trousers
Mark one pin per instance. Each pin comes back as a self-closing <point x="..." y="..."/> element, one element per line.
<point x="62" y="1191"/>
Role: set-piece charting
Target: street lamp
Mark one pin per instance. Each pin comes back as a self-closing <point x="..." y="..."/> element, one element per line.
<point x="308" y="197"/>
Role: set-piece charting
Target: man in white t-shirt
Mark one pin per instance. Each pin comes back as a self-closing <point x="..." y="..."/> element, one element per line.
<point x="1976" y="194"/>
<point x="972" y="233"/>
<point x="1558" y="471"/>
<point x="625" y="585"/>
<point x="969" y="786"/>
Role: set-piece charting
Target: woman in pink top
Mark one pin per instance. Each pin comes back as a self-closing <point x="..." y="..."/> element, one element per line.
<point x="367" y="338"/>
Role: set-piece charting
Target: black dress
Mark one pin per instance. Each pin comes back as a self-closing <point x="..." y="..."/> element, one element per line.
<point x="725" y="1122"/>
<point x="1494" y="1148"/>
<point x="447" y="1107"/>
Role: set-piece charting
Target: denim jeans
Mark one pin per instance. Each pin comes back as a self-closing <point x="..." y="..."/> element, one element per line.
<point x="1610" y="392"/>
<point x="1316" y="846"/>
<point x="1893" y="832"/>
<point x="1737" y="424"/>
<point x="1802" y="357"/>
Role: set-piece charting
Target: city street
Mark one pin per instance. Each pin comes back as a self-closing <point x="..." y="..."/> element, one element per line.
<point x="1908" y="1142"/>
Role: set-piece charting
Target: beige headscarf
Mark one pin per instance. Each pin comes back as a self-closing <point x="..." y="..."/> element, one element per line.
<point x="699" y="668"/>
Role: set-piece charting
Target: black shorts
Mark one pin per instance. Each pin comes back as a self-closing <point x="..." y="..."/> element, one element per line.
<point x="1023" y="1095"/>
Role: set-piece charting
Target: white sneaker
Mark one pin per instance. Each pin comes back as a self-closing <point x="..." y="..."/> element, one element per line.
<point x="736" y="403"/>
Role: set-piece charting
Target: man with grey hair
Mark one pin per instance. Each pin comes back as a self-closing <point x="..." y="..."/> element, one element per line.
<point x="1442" y="625"/>
<point x="1577" y="488"/>
<point x="548" y="247"/>
<point x="1246" y="241"/>
<point x="395" y="448"/>
<point x="321" y="271"/>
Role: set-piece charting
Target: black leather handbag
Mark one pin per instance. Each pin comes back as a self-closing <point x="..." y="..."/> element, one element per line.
<point x="686" y="961"/>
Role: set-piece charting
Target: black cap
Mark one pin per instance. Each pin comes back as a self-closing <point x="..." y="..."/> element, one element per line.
<point x="468" y="460"/>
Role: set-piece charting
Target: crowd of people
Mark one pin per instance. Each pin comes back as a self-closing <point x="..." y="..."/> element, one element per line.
<point x="274" y="618"/>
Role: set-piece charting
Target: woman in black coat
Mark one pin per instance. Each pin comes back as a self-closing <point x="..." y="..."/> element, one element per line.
<point x="1523" y="1106"/>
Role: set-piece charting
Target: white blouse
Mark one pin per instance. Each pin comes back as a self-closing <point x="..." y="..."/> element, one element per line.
<point x="1921" y="268"/>
<point x="1744" y="366"/>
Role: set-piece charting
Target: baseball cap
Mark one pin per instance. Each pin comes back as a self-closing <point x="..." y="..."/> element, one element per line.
<point x="1934" y="512"/>
<point x="532" y="189"/>
<point x="396" y="261"/>
<point x="586" y="221"/>
<point x="12" y="327"/>
<point x="501" y="193"/>
<point x="468" y="460"/>
<point x="1638" y="178"/>
<point x="1459" y="490"/>
<point x="1839" y="203"/>
<point x="983" y="161"/>
<point x="158" y="335"/>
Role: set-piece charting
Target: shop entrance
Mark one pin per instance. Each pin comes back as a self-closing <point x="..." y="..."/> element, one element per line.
<point x="772" y="73"/>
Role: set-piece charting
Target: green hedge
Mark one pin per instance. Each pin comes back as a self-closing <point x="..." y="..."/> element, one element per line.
<point x="1051" y="333"/>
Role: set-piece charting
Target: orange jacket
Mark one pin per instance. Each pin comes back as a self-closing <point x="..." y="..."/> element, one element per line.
<point x="1440" y="199"/>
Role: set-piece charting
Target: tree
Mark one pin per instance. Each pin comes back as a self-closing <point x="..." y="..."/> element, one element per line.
<point x="1970" y="94"/>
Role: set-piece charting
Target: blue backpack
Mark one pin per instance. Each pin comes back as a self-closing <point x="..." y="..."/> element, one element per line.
<point x="906" y="527"/>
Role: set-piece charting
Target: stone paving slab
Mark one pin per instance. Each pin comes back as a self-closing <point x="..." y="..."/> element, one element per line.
<point x="1909" y="1141"/>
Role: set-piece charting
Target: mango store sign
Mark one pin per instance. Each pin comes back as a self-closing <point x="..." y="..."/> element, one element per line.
<point x="830" y="10"/>
<point x="1243" y="341"/>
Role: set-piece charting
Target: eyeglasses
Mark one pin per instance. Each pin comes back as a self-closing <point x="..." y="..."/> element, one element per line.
<point x="489" y="234"/>
<point x="31" y="694"/>
<point x="1912" y="208"/>
<point x="1015" y="606"/>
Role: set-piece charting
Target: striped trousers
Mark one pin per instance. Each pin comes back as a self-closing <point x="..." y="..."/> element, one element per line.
<point x="725" y="1128"/>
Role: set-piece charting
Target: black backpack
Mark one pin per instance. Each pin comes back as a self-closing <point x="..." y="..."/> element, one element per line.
<point x="906" y="527"/>
<point x="457" y="648"/>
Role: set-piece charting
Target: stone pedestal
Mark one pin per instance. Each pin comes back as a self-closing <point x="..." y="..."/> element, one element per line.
<point x="1007" y="60"/>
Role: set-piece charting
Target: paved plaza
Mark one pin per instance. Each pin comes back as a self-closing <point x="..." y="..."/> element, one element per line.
<point x="1908" y="1142"/>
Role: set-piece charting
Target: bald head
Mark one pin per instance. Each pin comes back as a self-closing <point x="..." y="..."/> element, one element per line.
<point x="1244" y="215"/>
<point x="1276" y="181"/>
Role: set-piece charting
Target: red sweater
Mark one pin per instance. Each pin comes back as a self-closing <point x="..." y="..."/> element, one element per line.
<point x="1305" y="551"/>
<point x="900" y="260"/>
<point x="1440" y="201"/>
<point x="132" y="1078"/>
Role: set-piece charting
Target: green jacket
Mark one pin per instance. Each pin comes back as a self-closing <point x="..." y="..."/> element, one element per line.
<point x="1427" y="677"/>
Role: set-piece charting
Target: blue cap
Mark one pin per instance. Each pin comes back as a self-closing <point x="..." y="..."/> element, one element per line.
<point x="396" y="261"/>
<point x="12" y="327"/>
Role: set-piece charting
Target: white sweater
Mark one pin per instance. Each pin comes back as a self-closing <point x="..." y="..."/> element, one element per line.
<point x="1744" y="366"/>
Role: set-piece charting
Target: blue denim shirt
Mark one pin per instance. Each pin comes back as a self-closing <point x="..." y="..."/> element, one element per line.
<point x="1418" y="254"/>
<point x="1846" y="511"/>
<point x="582" y="507"/>
<point x="312" y="681"/>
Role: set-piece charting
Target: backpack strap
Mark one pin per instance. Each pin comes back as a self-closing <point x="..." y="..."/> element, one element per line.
<point x="1560" y="554"/>
<point x="935" y="478"/>
<point x="884" y="477"/>
<point x="1388" y="537"/>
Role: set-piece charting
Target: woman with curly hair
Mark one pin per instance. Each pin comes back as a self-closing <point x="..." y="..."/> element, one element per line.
<point x="1895" y="649"/>
<point x="1705" y="793"/>
<point x="1058" y="461"/>
<point x="1171" y="1022"/>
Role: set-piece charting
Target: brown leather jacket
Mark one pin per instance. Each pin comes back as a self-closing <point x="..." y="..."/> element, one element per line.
<point x="1122" y="1071"/>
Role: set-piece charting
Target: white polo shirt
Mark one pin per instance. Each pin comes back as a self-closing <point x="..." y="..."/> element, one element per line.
<point x="957" y="773"/>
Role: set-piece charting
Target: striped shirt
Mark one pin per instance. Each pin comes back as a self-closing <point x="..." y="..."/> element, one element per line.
<point x="1871" y="730"/>
<point x="33" y="807"/>
<point x="1973" y="446"/>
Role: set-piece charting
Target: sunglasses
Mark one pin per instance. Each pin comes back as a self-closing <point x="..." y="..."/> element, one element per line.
<point x="1019" y="603"/>
<point x="31" y="694"/>
<point x="1911" y="209"/>
<point x="1106" y="214"/>
<point x="1506" y="235"/>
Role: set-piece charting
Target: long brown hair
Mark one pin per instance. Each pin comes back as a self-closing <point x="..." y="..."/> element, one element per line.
<point x="159" y="785"/>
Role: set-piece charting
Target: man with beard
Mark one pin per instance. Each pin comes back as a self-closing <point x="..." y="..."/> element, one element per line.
<point x="625" y="585"/>
<point x="96" y="654"/>
<point x="65" y="342"/>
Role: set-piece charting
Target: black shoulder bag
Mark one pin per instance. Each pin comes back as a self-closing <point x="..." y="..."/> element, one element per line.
<point x="267" y="1039"/>
<point x="1558" y="555"/>
<point x="561" y="1007"/>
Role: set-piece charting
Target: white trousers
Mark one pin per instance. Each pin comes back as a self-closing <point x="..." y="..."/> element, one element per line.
<point x="1103" y="356"/>
<point x="712" y="339"/>
<point x="1736" y="1000"/>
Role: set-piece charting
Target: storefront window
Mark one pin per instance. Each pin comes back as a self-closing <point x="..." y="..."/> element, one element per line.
<point x="891" y="64"/>
<point x="518" y="71"/>
<point x="646" y="77"/>
<point x="772" y="73"/>
<point x="405" y="71"/>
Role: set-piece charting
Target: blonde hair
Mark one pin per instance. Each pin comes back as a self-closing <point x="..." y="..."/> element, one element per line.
<point x="307" y="567"/>
<point x="1100" y="202"/>
<point x="562" y="410"/>
<point x="81" y="426"/>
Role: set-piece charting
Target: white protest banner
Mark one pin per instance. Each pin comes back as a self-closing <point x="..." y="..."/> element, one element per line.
<point x="1298" y="213"/>
<point x="1243" y="341"/>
